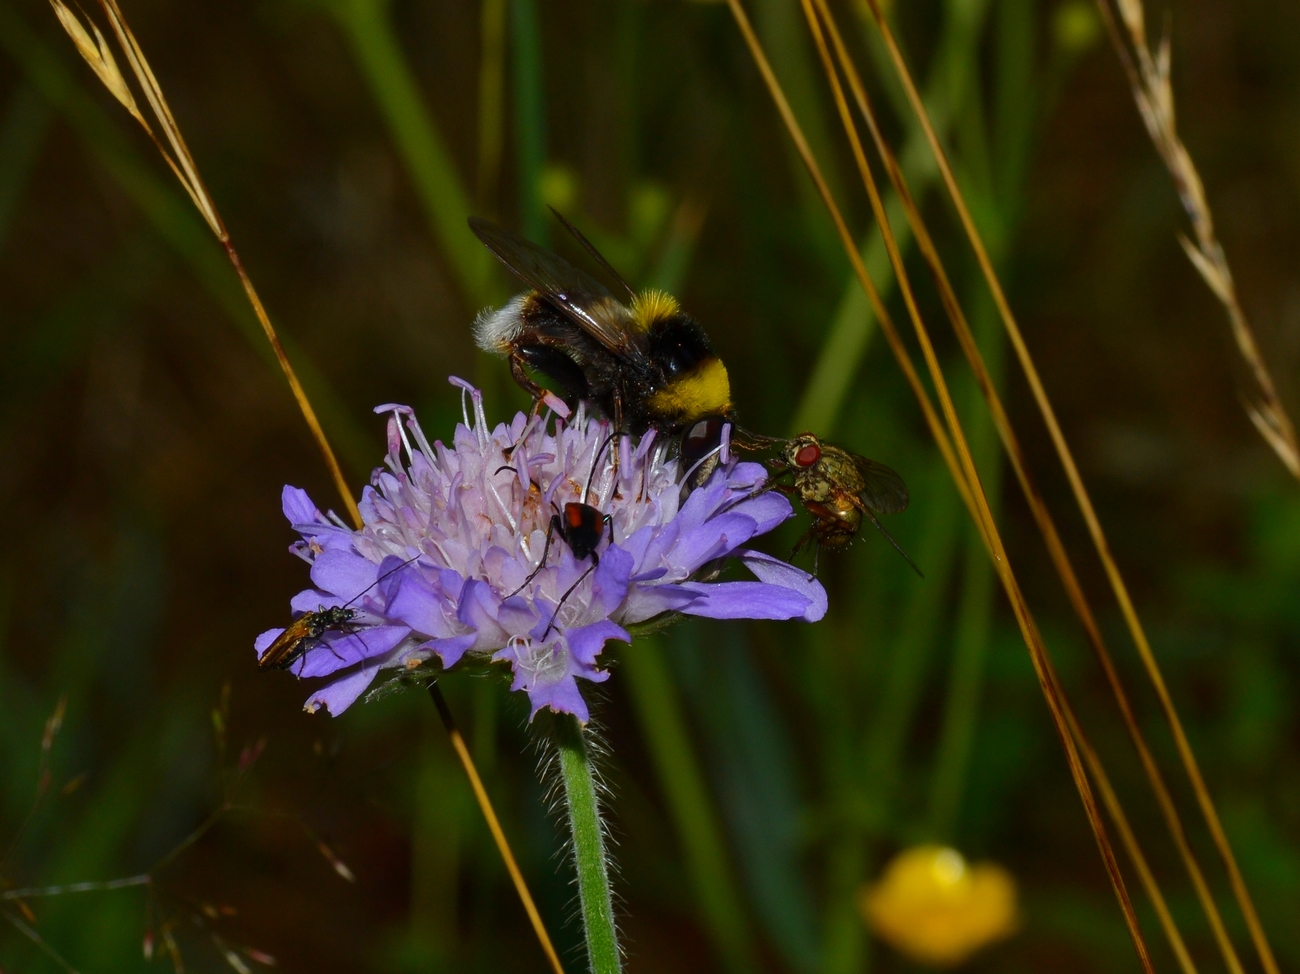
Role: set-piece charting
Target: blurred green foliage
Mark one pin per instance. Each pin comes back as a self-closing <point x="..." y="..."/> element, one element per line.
<point x="760" y="773"/>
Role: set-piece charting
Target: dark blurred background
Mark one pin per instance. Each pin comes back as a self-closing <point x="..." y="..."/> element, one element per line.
<point x="145" y="435"/>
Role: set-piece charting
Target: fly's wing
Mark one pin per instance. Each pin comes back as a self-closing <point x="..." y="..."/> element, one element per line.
<point x="883" y="490"/>
<point x="577" y="294"/>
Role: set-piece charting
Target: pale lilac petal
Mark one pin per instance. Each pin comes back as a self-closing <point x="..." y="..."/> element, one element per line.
<point x="610" y="580"/>
<point x="263" y="642"/>
<point x="562" y="697"/>
<point x="585" y="643"/>
<point x="342" y="693"/>
<point x="419" y="604"/>
<point x="717" y="537"/>
<point x="452" y="648"/>
<point x="298" y="507"/>
<point x="313" y="599"/>
<point x="746" y="600"/>
<point x="340" y="650"/>
<point x="647" y="601"/>
<point x="768" y="509"/>
<point x="478" y="609"/>
<point x="344" y="573"/>
<point x="777" y="572"/>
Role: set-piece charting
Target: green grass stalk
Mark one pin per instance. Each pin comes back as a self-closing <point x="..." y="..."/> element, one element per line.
<point x="392" y="83"/>
<point x="948" y="88"/>
<point x="530" y="118"/>
<point x="974" y="618"/>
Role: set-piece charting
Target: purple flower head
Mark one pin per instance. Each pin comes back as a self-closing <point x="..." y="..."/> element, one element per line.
<point x="447" y="563"/>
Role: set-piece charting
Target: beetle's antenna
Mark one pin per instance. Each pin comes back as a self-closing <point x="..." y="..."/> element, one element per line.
<point x="381" y="578"/>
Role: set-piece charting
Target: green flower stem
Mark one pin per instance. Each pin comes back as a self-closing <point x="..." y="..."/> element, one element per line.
<point x="588" y="848"/>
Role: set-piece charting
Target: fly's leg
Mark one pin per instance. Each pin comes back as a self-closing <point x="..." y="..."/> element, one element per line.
<point x="897" y="547"/>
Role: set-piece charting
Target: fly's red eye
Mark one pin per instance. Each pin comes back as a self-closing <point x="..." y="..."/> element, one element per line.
<point x="808" y="455"/>
<point x="574" y="514"/>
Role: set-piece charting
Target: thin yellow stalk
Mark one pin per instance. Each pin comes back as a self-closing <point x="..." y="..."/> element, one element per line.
<point x="1134" y="850"/>
<point x="1154" y="95"/>
<point x="1084" y="501"/>
<point x="162" y="111"/>
<point x="982" y="513"/>
<point x="494" y="826"/>
<point x="1037" y="505"/>
<point x="182" y="165"/>
<point x="187" y="173"/>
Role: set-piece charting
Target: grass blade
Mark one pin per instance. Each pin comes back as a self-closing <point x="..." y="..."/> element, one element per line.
<point x="1149" y="79"/>
<point x="966" y="471"/>
<point x="530" y="119"/>
<point x="391" y="81"/>
<point x="1096" y="532"/>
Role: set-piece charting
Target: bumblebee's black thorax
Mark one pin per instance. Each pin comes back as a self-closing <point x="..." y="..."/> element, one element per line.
<point x="678" y="345"/>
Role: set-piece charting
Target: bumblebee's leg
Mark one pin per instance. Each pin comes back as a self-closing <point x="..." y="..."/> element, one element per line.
<point x="617" y="398"/>
<point x="559" y="367"/>
<point x="546" y="548"/>
<point x="618" y="429"/>
<point x="518" y="358"/>
<point x="525" y="382"/>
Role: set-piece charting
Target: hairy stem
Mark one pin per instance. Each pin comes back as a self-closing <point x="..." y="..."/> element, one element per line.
<point x="588" y="848"/>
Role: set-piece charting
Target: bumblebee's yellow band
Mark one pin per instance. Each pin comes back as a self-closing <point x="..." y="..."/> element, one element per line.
<point x="703" y="392"/>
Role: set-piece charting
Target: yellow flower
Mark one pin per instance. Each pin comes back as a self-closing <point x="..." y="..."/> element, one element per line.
<point x="936" y="909"/>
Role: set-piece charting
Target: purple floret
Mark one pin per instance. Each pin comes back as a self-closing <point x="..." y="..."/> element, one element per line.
<point x="452" y="535"/>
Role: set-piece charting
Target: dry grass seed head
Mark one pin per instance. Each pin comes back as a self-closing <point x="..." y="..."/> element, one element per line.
<point x="99" y="56"/>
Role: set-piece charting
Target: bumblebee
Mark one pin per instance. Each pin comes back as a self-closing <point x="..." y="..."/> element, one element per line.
<point x="645" y="363"/>
<point x="839" y="488"/>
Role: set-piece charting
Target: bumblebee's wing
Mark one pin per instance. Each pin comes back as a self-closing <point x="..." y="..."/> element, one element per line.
<point x="577" y="294"/>
<point x="590" y="248"/>
<point x="883" y="490"/>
